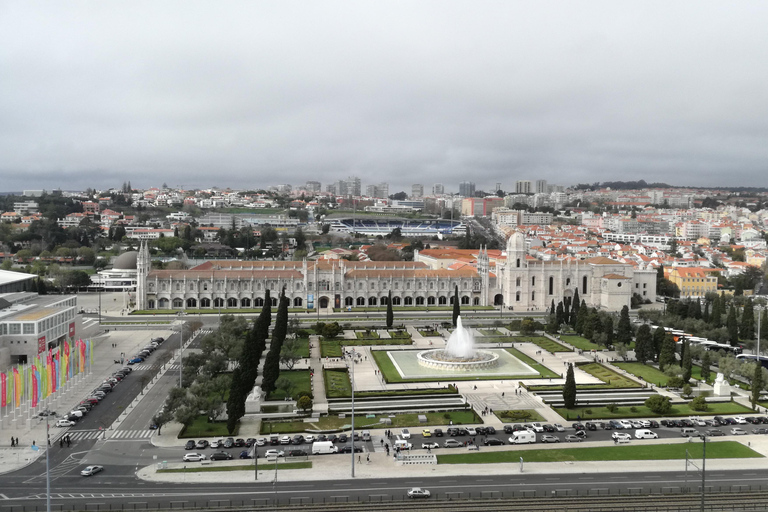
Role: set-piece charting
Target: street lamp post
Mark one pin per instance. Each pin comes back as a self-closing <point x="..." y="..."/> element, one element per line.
<point x="180" y="314"/>
<point x="352" y="369"/>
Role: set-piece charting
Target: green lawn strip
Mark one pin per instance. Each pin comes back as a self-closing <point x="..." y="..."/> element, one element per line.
<point x="202" y="428"/>
<point x="579" y="342"/>
<point x="400" y="335"/>
<point x="329" y="423"/>
<point x="519" y="416"/>
<point x="429" y="334"/>
<point x="610" y="377"/>
<point x="330" y="348"/>
<point x="490" y="332"/>
<point x="641" y="411"/>
<point x="391" y="374"/>
<point x="375" y="341"/>
<point x="267" y="466"/>
<point x="696" y="374"/>
<point x="450" y="390"/>
<point x="337" y="384"/>
<point x="646" y="372"/>
<point x="545" y="372"/>
<point x="300" y="381"/>
<point x="550" y="346"/>
<point x="303" y="347"/>
<point x="678" y="451"/>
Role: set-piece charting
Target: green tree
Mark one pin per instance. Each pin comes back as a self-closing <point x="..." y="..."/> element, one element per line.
<point x="304" y="403"/>
<point x="575" y="307"/>
<point x="667" y="356"/>
<point x="272" y="361"/>
<point x="644" y="344"/>
<point x="715" y="318"/>
<point x="747" y="327"/>
<point x="658" y="404"/>
<point x="390" y="314"/>
<point x="699" y="404"/>
<point x="687" y="362"/>
<point x="658" y="341"/>
<point x="559" y="313"/>
<point x="732" y="325"/>
<point x="456" y="307"/>
<point x="706" y="361"/>
<point x="757" y="383"/>
<point x="624" y="329"/>
<point x="569" y="389"/>
<point x="608" y="331"/>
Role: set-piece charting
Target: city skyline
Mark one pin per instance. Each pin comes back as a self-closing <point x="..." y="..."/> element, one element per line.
<point x="241" y="94"/>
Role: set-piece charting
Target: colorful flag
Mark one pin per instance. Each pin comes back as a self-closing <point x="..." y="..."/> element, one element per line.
<point x="82" y="355"/>
<point x="17" y="383"/>
<point x="90" y="353"/>
<point x="35" y="385"/>
<point x="3" y="386"/>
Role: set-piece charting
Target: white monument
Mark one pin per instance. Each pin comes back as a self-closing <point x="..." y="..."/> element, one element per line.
<point x="721" y="387"/>
<point x="253" y="402"/>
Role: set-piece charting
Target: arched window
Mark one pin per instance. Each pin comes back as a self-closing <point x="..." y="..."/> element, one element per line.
<point x="476" y="301"/>
<point x="258" y="302"/>
<point x="408" y="301"/>
<point x="274" y="301"/>
<point x="533" y="295"/>
<point x="517" y="297"/>
<point x="218" y="302"/>
<point x="442" y="301"/>
<point x="191" y="303"/>
<point x="465" y="300"/>
<point x="178" y="303"/>
<point x="551" y="285"/>
<point x="163" y="303"/>
<point x="568" y="282"/>
<point x="430" y="301"/>
<point x="151" y="287"/>
<point x="164" y="287"/>
<point x="178" y="287"/>
<point x="419" y="301"/>
<point x="231" y="302"/>
<point x="297" y="302"/>
<point x="395" y="301"/>
<point x="191" y="287"/>
<point x="584" y="285"/>
<point x="349" y="301"/>
<point x="372" y="301"/>
<point x="533" y="281"/>
<point x="245" y="303"/>
<point x="205" y="287"/>
<point x="518" y="262"/>
<point x="151" y="304"/>
<point x="451" y="300"/>
<point x="205" y="303"/>
<point x="361" y="301"/>
<point x="517" y="281"/>
<point x="383" y="301"/>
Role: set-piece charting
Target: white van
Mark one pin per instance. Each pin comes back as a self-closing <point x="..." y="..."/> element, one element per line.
<point x="323" y="447"/>
<point x="77" y="413"/>
<point x="402" y="444"/>
<point x="644" y="433"/>
<point x="366" y="435"/>
<point x="689" y="432"/>
<point x="522" y="437"/>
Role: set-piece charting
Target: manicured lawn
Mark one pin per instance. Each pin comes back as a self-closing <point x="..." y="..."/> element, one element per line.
<point x="545" y="372"/>
<point x="330" y="348"/>
<point x="642" y="411"/>
<point x="337" y="384"/>
<point x="267" y="466"/>
<point x="400" y="335"/>
<point x="300" y="381"/>
<point x="549" y="345"/>
<point x="610" y="377"/>
<point x="490" y="332"/>
<point x="450" y="390"/>
<point x="303" y="347"/>
<point x="202" y="428"/>
<point x="519" y="416"/>
<point x="696" y="374"/>
<point x="429" y="333"/>
<point x="329" y="423"/>
<point x="364" y="335"/>
<point x="579" y="342"/>
<point x="376" y="341"/>
<point x="715" y="450"/>
<point x="646" y="372"/>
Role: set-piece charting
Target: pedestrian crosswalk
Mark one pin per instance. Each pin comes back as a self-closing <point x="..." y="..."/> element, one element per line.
<point x="153" y="367"/>
<point x="84" y="435"/>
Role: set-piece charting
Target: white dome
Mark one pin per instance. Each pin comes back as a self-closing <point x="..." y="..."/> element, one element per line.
<point x="516" y="242"/>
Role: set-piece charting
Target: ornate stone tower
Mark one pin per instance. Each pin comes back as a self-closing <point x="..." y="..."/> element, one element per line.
<point x="483" y="269"/>
<point x="143" y="266"/>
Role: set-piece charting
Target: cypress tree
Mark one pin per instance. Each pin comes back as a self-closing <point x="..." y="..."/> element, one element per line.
<point x="575" y="307"/>
<point x="687" y="363"/>
<point x="456" y="307"/>
<point x="667" y="357"/>
<point x="390" y="313"/>
<point x="559" y="314"/>
<point x="567" y="310"/>
<point x="569" y="389"/>
<point x="757" y="383"/>
<point x="705" y="314"/>
<point x="715" y="318"/>
<point x="732" y="325"/>
<point x="706" y="361"/>
<point x="552" y="307"/>
<point x="608" y="330"/>
<point x="763" y="325"/>
<point x="624" y="330"/>
<point x="697" y="310"/>
<point x="582" y="318"/>
<point x="747" y="327"/>
<point x="644" y="344"/>
<point x="658" y="342"/>
<point x="235" y="401"/>
<point x="272" y="361"/>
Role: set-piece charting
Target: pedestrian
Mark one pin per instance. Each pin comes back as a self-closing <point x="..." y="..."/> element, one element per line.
<point x="502" y="393"/>
<point x="368" y="458"/>
<point x="382" y="441"/>
<point x="69" y="441"/>
<point x="359" y="460"/>
<point x="61" y="442"/>
<point x="13" y="443"/>
<point x="17" y="442"/>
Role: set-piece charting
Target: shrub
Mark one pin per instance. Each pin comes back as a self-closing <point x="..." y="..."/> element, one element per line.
<point x="588" y="411"/>
<point x="687" y="390"/>
<point x="699" y="404"/>
<point x="675" y="382"/>
<point x="633" y="409"/>
<point x="612" y="407"/>
<point x="447" y="415"/>
<point x="658" y="404"/>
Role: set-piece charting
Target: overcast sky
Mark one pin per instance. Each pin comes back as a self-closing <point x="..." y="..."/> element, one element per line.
<point x="251" y="94"/>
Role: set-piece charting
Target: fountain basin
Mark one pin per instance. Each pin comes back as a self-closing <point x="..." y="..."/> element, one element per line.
<point x="439" y="359"/>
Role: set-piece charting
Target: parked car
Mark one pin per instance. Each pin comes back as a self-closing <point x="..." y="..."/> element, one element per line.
<point x="430" y="445"/>
<point x="245" y="455"/>
<point x="621" y="436"/>
<point x="190" y="445"/>
<point x="547" y="438"/>
<point x="581" y="433"/>
<point x="91" y="470"/>
<point x="202" y="444"/>
<point x="343" y="438"/>
<point x="418" y="492"/>
<point x="309" y="439"/>
<point x="348" y="449"/>
<point x="297" y="453"/>
<point x="572" y="439"/>
<point x="452" y="443"/>
<point x="653" y="424"/>
<point x="490" y="430"/>
<point x="438" y="432"/>
<point x="426" y="433"/>
<point x="64" y="423"/>
<point x="221" y="456"/>
<point x="271" y="454"/>
<point x="229" y="443"/>
<point x="239" y="442"/>
<point x="217" y="443"/>
<point x="193" y="457"/>
<point x="578" y="426"/>
<point x="559" y="427"/>
<point x="471" y="431"/>
<point x="493" y="441"/>
<point x="737" y="431"/>
<point x="297" y="439"/>
<point x="405" y="433"/>
<point x="760" y="430"/>
<point x="713" y="432"/>
<point x="590" y="426"/>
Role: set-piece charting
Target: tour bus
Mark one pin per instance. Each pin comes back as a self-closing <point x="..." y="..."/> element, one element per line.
<point x="751" y="357"/>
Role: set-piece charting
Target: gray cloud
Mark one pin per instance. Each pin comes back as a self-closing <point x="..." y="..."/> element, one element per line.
<point x="246" y="94"/>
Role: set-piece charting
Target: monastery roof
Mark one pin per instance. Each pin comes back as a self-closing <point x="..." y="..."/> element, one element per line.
<point x="601" y="260"/>
<point x="614" y="276"/>
<point x="466" y="271"/>
<point x="228" y="274"/>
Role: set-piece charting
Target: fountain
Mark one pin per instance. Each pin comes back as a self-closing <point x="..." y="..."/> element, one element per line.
<point x="459" y="354"/>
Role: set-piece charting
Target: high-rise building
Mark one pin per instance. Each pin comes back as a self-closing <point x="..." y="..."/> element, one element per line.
<point x="354" y="188"/>
<point x="341" y="188"/>
<point x="417" y="190"/>
<point x="313" y="186"/>
<point x="370" y="191"/>
<point x="498" y="187"/>
<point x="523" y="187"/>
<point x="541" y="186"/>
<point x="466" y="189"/>
<point x="380" y="191"/>
<point x="438" y="189"/>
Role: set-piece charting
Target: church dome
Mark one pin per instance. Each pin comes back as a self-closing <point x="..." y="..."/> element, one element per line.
<point x="516" y="242"/>
<point x="126" y="261"/>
